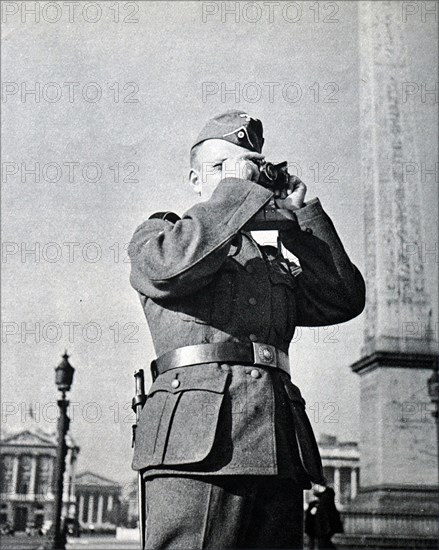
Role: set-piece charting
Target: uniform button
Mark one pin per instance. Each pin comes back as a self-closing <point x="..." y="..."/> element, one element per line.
<point x="241" y="134"/>
<point x="225" y="367"/>
<point x="252" y="301"/>
<point x="253" y="337"/>
<point x="255" y="373"/>
<point x="175" y="383"/>
<point x="250" y="269"/>
<point x="308" y="230"/>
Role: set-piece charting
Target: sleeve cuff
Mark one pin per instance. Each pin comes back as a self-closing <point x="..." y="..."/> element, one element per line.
<point x="242" y="199"/>
<point x="309" y="211"/>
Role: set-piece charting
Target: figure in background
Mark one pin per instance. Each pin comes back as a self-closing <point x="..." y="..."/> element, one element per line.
<point x="322" y="519"/>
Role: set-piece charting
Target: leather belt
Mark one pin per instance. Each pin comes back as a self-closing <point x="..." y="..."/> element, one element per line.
<point x="263" y="355"/>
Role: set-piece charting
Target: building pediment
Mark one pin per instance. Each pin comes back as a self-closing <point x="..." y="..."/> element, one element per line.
<point x="30" y="439"/>
<point x="90" y="478"/>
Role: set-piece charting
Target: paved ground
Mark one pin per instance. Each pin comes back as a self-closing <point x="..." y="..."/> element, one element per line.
<point x="101" y="543"/>
<point x="18" y="543"/>
<point x="22" y="542"/>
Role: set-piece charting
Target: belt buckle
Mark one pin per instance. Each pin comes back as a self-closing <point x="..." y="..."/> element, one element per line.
<point x="264" y="355"/>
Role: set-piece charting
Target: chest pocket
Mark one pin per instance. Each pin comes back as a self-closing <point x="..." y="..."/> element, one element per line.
<point x="196" y="308"/>
<point x="283" y="310"/>
<point x="177" y="425"/>
<point x="223" y="294"/>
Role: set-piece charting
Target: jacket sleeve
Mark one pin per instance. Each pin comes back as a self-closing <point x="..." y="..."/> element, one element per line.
<point x="169" y="260"/>
<point x="330" y="288"/>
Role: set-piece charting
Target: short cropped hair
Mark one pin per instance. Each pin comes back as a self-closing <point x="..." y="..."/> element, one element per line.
<point x="194" y="160"/>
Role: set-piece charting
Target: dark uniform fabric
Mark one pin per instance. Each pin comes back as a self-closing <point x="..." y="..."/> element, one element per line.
<point x="203" y="279"/>
<point x="223" y="512"/>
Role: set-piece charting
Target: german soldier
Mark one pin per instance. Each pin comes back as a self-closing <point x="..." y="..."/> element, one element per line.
<point x="223" y="441"/>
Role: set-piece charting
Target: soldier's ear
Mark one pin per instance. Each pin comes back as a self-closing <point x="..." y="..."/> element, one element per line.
<point x="195" y="181"/>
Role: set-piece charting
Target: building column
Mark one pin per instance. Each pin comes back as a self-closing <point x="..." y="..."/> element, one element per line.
<point x="15" y="467"/>
<point x="50" y="480"/>
<point x="337" y="487"/>
<point x="100" y="509"/>
<point x="33" y="478"/>
<point x="110" y="503"/>
<point x="90" y="509"/>
<point x="81" y="508"/>
<point x="66" y="481"/>
<point x="353" y="483"/>
<point x="73" y="511"/>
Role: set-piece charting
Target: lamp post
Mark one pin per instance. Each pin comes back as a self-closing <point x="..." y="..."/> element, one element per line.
<point x="63" y="379"/>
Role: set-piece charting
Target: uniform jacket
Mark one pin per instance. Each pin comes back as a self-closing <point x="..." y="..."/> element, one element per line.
<point x="203" y="279"/>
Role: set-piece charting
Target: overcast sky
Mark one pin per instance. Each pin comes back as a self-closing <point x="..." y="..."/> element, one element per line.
<point x="119" y="104"/>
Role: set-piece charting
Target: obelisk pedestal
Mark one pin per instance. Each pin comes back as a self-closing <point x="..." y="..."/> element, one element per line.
<point x="397" y="504"/>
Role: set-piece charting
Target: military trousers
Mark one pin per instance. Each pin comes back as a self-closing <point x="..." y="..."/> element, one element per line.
<point x="223" y="512"/>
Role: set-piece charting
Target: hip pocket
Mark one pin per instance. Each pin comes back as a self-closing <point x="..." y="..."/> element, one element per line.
<point x="178" y="422"/>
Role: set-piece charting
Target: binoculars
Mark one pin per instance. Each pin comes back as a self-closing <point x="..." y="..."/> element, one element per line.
<point x="274" y="177"/>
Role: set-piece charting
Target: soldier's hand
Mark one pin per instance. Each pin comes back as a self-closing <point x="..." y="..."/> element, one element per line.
<point x="293" y="197"/>
<point x="244" y="166"/>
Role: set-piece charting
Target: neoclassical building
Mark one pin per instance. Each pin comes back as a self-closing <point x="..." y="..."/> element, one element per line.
<point x="27" y="477"/>
<point x="99" y="502"/>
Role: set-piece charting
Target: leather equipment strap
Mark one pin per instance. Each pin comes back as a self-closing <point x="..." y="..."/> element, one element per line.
<point x="263" y="355"/>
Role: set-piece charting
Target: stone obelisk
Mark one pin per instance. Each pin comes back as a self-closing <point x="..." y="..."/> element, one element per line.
<point x="397" y="502"/>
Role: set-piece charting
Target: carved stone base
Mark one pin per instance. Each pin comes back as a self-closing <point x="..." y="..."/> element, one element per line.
<point x="392" y="517"/>
<point x="398" y="434"/>
<point x="381" y="542"/>
<point x="398" y="503"/>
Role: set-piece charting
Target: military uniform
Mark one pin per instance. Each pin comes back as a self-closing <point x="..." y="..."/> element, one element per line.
<point x="231" y="439"/>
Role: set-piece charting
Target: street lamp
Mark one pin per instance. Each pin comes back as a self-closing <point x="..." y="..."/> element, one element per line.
<point x="63" y="379"/>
